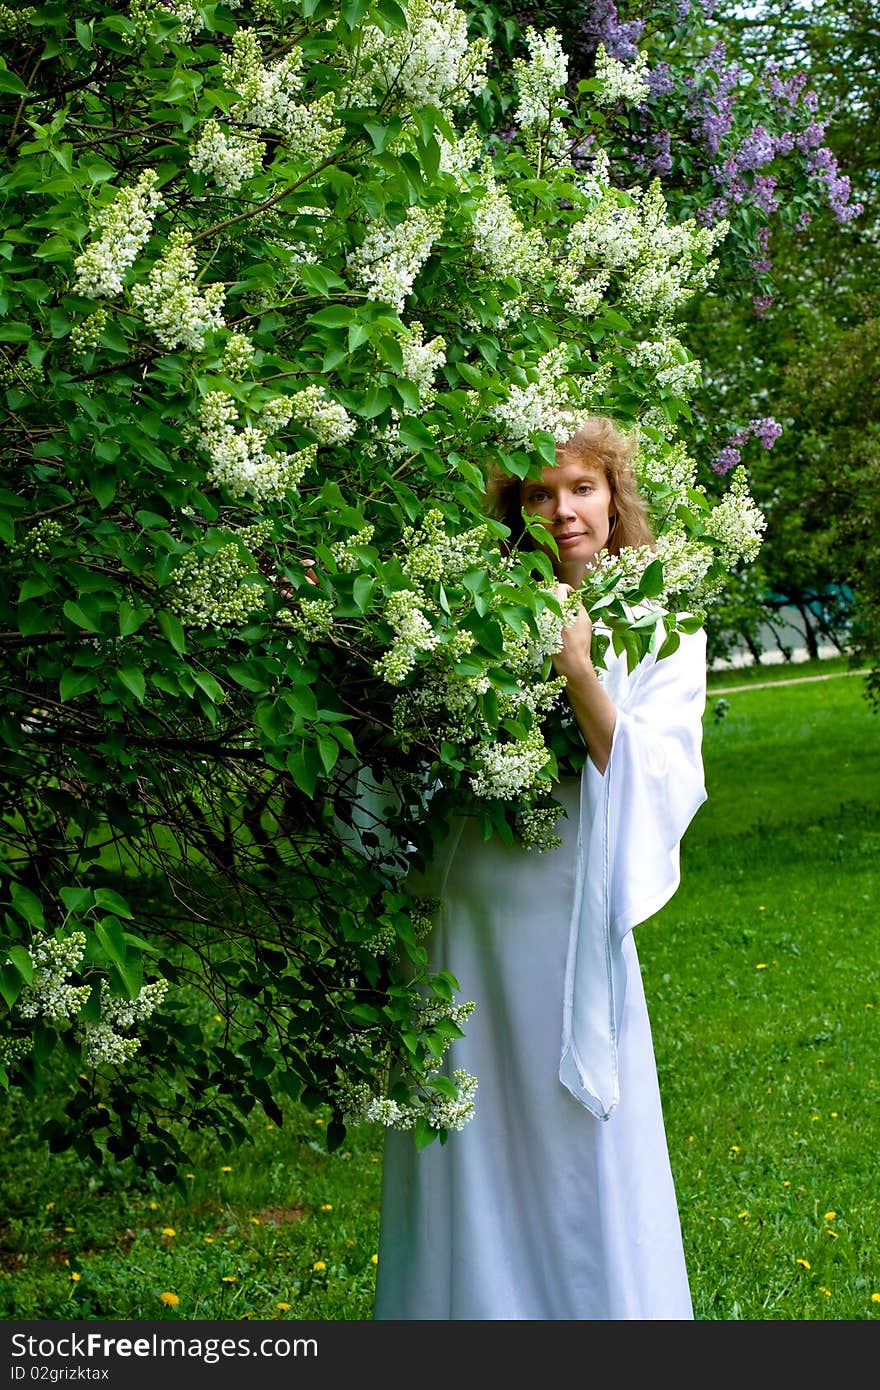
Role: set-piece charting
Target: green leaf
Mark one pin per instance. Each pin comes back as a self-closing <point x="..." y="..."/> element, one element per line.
<point x="172" y="629"/>
<point x="77" y="682"/>
<point x="212" y="687"/>
<point x="27" y="905"/>
<point x="112" y="902"/>
<point x="20" y="957"/>
<point x="77" y="614"/>
<point x="132" y="678"/>
<point x="11" y="984"/>
<point x="423" y="1133"/>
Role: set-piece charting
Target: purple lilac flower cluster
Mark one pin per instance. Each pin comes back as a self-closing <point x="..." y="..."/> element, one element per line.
<point x="766" y="430"/>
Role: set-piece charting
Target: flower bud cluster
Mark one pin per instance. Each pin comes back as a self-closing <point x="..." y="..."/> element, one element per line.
<point x="268" y="99"/>
<point x="170" y="302"/>
<point x="362" y="1105"/>
<point x="238" y="356"/>
<point x="536" y="828"/>
<point x="343" y="552"/>
<point x="229" y="159"/>
<point x="49" y="995"/>
<point x="143" y="12"/>
<point x="208" y="590"/>
<point x="389" y="258"/>
<point x="433" y="555"/>
<point x="38" y="540"/>
<point x="313" y="619"/>
<point x="87" y="334"/>
<point x="413" y="634"/>
<point x="14" y="24"/>
<point x="125" y="226"/>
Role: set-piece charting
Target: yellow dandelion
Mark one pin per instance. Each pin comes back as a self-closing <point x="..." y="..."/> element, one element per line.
<point x="255" y="1221"/>
<point x="326" y="1206"/>
<point x="760" y="907"/>
<point x="319" y="1265"/>
<point x="190" y="1175"/>
<point x="49" y="1206"/>
<point x="815" y="1117"/>
<point x="804" y="1264"/>
<point x="374" y="1159"/>
<point x="834" y="1114"/>
<point x="168" y="1231"/>
<point x="734" y="1148"/>
<point x="283" y="1307"/>
<point x="319" y="1122"/>
<point x="374" y="1259"/>
<point x="786" y="1182"/>
<point x="742" y="1215"/>
<point x="169" y="1299"/>
<point x="75" y="1277"/>
<point x="154" y="1206"/>
<point x="762" y="965"/>
<point x="218" y="1018"/>
<point x="690" y="1138"/>
<point x="830" y="1215"/>
<point x="228" y="1278"/>
<point x="209" y="1240"/>
<point x="227" y="1168"/>
<point x="829" y="1232"/>
<point x="875" y="1297"/>
<point x="68" y="1229"/>
<point x="822" y="1289"/>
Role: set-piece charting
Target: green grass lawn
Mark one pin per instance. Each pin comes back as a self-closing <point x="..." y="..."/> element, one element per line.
<point x="763" y="981"/>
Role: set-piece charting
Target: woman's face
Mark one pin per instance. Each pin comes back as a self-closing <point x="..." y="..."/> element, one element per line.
<point x="574" y="502"/>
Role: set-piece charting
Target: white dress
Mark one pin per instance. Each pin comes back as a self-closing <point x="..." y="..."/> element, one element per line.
<point x="556" y="1200"/>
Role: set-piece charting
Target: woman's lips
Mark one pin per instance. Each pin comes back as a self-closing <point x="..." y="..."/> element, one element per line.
<point x="569" y="539"/>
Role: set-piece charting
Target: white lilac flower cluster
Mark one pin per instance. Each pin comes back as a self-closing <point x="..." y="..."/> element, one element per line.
<point x="268" y="99"/>
<point x="506" y="770"/>
<point x="361" y="1105"/>
<point x="312" y="620"/>
<point x="536" y="828"/>
<point x="430" y="62"/>
<point x="459" y="155"/>
<point x="102" y="1044"/>
<point x="500" y="239"/>
<point x="389" y="258"/>
<point x="545" y="403"/>
<point x="736" y="522"/>
<point x="170" y="300"/>
<point x="432" y="554"/>
<point x="12" y="1050"/>
<point x="240" y="457"/>
<point x="208" y="590"/>
<point x="229" y="159"/>
<point x="541" y="83"/>
<point x="238" y="356"/>
<point x="344" y="553"/>
<point x="124" y="227"/>
<point x="49" y="995"/>
<point x="669" y="360"/>
<point x="620" y="81"/>
<point x="143" y="12"/>
<point x="329" y="420"/>
<point x="422" y="361"/>
<point x="413" y="634"/>
<point x="626" y="240"/>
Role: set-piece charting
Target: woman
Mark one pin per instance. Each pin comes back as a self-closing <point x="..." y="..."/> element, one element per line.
<point x="556" y="1200"/>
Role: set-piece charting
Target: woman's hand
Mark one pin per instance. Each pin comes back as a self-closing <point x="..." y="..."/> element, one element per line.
<point x="593" y="710"/>
<point x="573" y="658"/>
<point x="289" y="594"/>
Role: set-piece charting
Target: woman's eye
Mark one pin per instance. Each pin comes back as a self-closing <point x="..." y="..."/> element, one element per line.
<point x="585" y="487"/>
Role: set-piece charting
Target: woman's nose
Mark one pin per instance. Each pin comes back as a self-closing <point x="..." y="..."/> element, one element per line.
<point x="564" y="505"/>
